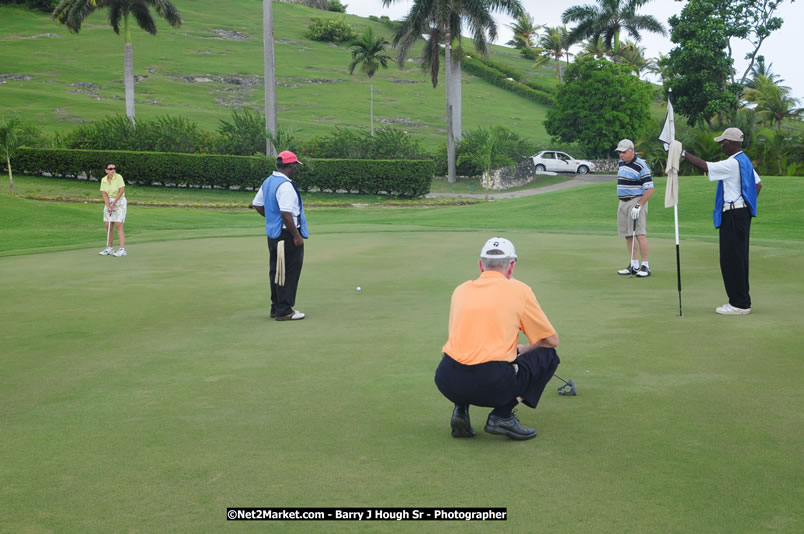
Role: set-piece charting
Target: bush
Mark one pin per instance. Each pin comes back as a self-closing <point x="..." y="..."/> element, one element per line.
<point x="245" y="135"/>
<point x="406" y="178"/>
<point x="42" y="5"/>
<point x="493" y="148"/>
<point x="387" y="143"/>
<point x="164" y="134"/>
<point x="336" y="6"/>
<point x="333" y="30"/>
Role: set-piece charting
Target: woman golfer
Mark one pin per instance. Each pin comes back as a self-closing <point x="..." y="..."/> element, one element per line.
<point x="114" y="210"/>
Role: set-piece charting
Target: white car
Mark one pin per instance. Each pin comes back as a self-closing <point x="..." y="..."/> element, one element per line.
<point x="551" y="160"/>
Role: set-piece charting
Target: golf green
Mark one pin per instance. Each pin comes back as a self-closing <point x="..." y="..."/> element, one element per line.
<point x="149" y="393"/>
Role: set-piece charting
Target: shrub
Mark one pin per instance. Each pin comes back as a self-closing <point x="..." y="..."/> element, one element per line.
<point x="387" y="143"/>
<point x="163" y="134"/>
<point x="493" y="148"/>
<point x="395" y="177"/>
<point x="332" y="30"/>
<point x="336" y="6"/>
<point x="245" y="135"/>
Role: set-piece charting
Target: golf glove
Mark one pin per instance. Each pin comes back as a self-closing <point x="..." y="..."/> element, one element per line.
<point x="635" y="212"/>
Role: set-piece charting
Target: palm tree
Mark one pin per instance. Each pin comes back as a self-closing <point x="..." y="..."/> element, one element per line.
<point x="72" y="13"/>
<point x="552" y="45"/>
<point x="525" y="33"/>
<point x="608" y="18"/>
<point x="443" y="22"/>
<point x="269" y="76"/>
<point x="760" y="68"/>
<point x="773" y="102"/>
<point x="595" y="47"/>
<point x="368" y="52"/>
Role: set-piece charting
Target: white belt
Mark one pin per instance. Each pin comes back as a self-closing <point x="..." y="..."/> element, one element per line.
<point x="733" y="205"/>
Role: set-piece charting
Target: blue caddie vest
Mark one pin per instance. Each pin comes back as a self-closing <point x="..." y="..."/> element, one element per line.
<point x="273" y="217"/>
<point x="747" y="185"/>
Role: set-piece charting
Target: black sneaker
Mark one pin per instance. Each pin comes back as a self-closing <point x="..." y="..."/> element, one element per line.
<point x="627" y="270"/>
<point x="643" y="272"/>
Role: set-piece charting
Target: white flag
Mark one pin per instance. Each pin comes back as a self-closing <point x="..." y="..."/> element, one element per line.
<point x="668" y="134"/>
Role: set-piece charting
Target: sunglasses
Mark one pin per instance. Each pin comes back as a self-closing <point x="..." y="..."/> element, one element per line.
<point x="111" y="168"/>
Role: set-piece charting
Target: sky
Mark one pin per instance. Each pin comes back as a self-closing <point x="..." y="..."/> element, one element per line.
<point x="782" y="49"/>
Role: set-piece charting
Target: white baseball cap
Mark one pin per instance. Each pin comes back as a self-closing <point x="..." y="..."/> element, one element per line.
<point x="731" y="134"/>
<point x="498" y="247"/>
<point x="624" y="144"/>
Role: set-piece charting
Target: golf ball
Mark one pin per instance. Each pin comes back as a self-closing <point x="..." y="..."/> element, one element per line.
<point x="359" y="288"/>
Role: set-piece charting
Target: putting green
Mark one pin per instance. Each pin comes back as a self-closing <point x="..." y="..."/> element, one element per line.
<point x="149" y="393"/>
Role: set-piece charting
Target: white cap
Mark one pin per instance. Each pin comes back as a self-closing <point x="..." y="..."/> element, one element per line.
<point x="731" y="134"/>
<point x="624" y="144"/>
<point x="498" y="247"/>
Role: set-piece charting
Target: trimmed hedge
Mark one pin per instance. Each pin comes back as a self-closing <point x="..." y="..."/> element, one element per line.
<point x="495" y="77"/>
<point x="406" y="178"/>
<point x="510" y="72"/>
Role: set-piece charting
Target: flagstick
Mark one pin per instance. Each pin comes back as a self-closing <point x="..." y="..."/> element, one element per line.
<point x="678" y="260"/>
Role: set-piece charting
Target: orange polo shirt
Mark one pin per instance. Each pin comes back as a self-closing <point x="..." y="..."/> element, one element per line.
<point x="486" y="316"/>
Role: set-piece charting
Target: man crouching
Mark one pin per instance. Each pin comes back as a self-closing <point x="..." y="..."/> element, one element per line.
<point x="483" y="364"/>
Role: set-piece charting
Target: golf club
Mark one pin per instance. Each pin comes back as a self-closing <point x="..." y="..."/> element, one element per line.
<point x="568" y="388"/>
<point x="631" y="257"/>
<point x="108" y="230"/>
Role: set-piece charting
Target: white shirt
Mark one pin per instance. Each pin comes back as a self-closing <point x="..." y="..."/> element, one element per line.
<point x="728" y="171"/>
<point x="286" y="197"/>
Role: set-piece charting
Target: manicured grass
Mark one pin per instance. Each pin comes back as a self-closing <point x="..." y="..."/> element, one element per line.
<point x="149" y="393"/>
<point x="315" y="93"/>
<point x="27" y="225"/>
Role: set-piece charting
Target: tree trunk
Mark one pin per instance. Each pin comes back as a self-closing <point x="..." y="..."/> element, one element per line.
<point x="269" y="74"/>
<point x="10" y="178"/>
<point x="451" y="177"/>
<point x="128" y="71"/>
<point x="457" y="116"/>
<point x="371" y="85"/>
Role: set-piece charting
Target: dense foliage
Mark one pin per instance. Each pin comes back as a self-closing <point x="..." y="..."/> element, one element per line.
<point x="387" y="143"/>
<point x="406" y="178"/>
<point x="702" y="38"/>
<point x="599" y="104"/>
<point x="331" y="30"/>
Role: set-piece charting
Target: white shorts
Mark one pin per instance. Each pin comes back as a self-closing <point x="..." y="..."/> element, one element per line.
<point x="118" y="214"/>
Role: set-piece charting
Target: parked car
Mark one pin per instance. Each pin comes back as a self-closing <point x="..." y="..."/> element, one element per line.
<point x="550" y="160"/>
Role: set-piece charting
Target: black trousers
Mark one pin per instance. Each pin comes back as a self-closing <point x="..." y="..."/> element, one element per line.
<point x="283" y="298"/>
<point x="735" y="230"/>
<point x="497" y="384"/>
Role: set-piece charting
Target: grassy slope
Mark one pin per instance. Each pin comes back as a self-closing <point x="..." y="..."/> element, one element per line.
<point x="148" y="394"/>
<point x="96" y="56"/>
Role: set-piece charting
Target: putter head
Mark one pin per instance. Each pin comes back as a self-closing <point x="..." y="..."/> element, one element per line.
<point x="568" y="389"/>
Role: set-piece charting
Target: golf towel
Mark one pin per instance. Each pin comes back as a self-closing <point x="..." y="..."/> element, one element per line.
<point x="673" y="162"/>
<point x="279" y="278"/>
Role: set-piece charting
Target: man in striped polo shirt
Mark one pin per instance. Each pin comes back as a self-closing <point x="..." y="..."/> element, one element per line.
<point x="634" y="189"/>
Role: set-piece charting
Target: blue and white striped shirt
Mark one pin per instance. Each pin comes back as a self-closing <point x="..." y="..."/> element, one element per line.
<point x="633" y="179"/>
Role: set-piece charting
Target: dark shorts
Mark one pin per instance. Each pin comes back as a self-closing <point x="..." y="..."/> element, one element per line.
<point x="494" y="384"/>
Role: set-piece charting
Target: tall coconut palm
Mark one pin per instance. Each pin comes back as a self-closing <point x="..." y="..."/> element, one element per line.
<point x="525" y="32"/>
<point x="608" y="18"/>
<point x="552" y="45"/>
<point x="595" y="47"/>
<point x="269" y="76"/>
<point x="443" y="22"/>
<point x="72" y="14"/>
<point x="369" y="52"/>
<point x="773" y="102"/>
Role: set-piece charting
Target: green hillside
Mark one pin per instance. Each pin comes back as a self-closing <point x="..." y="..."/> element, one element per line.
<point x="203" y="69"/>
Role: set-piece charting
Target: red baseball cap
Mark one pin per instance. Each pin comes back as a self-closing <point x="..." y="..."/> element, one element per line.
<point x="286" y="157"/>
